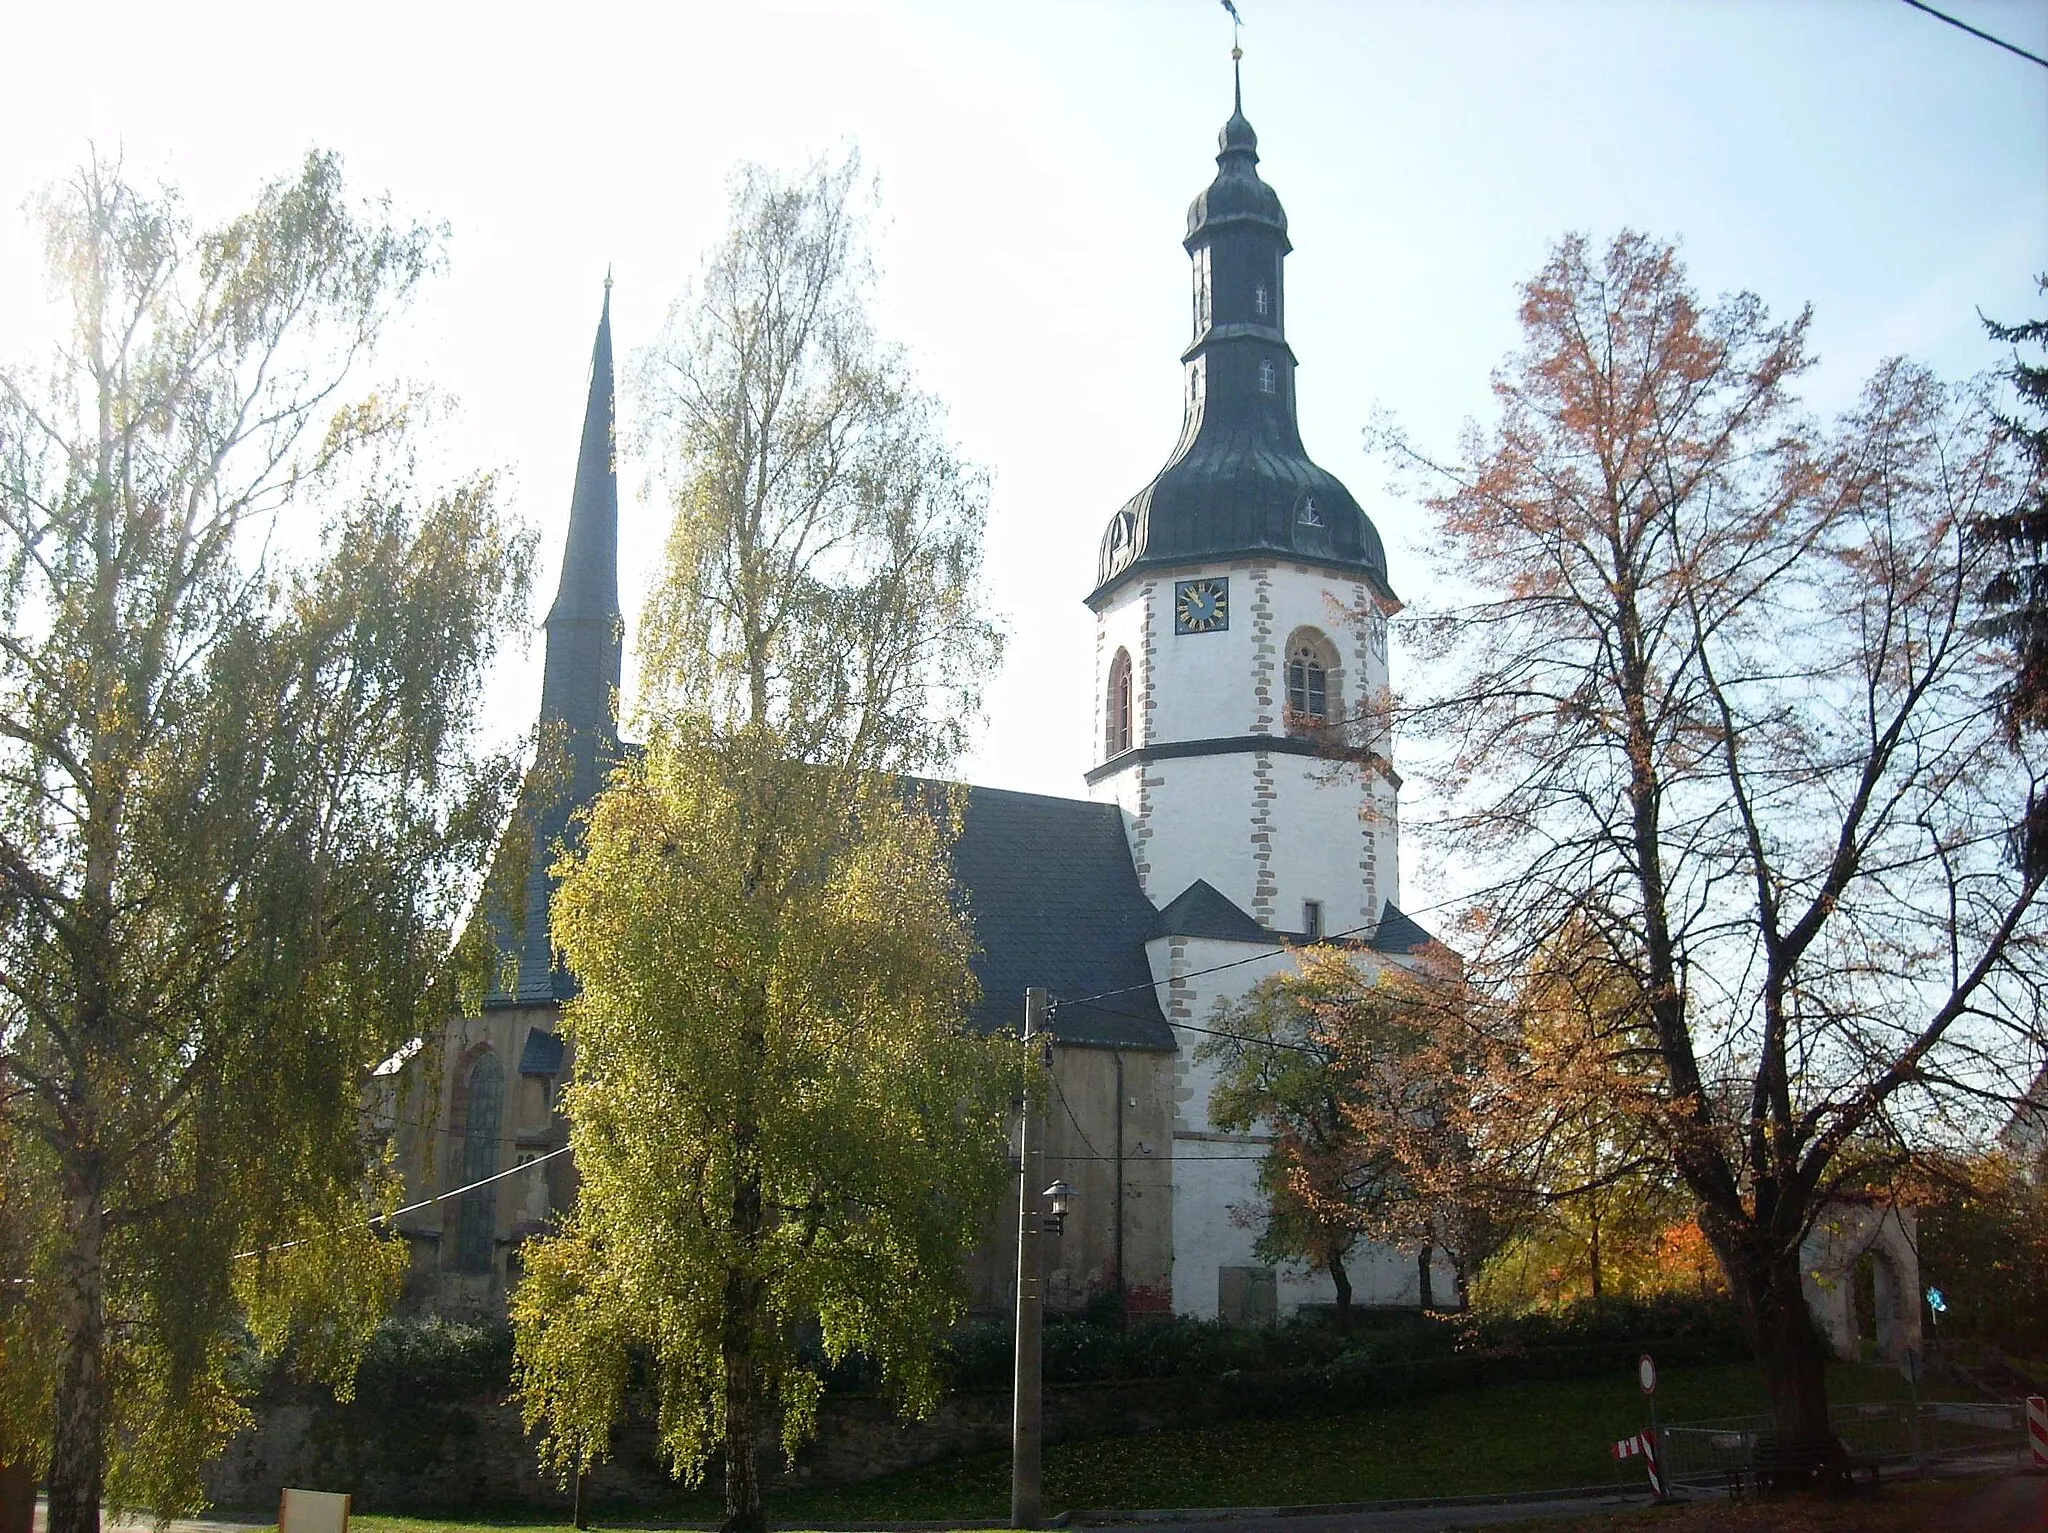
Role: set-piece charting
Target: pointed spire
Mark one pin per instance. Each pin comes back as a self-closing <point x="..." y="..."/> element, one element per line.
<point x="589" y="586"/>
<point x="580" y="683"/>
<point x="1238" y="143"/>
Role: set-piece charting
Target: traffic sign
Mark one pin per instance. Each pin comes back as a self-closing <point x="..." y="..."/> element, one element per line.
<point x="1646" y="1373"/>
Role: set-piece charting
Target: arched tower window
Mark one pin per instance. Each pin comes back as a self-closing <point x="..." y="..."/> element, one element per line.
<point x="1311" y="681"/>
<point x="477" y="1231"/>
<point x="1267" y="377"/>
<point x="1117" y="729"/>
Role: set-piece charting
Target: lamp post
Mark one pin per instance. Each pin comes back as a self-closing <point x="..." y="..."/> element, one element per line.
<point x="1038" y="1212"/>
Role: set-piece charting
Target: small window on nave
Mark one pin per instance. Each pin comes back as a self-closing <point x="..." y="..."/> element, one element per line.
<point x="1117" y="731"/>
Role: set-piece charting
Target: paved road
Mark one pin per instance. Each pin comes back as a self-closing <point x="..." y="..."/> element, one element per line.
<point x="2018" y="1504"/>
<point x="1412" y="1519"/>
<point x="1432" y="1519"/>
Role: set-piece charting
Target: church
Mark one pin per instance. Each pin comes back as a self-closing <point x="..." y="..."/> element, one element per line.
<point x="1240" y="604"/>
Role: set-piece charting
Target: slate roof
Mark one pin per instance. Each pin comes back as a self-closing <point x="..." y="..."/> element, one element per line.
<point x="542" y="1054"/>
<point x="1055" y="901"/>
<point x="1397" y="933"/>
<point x="1201" y="910"/>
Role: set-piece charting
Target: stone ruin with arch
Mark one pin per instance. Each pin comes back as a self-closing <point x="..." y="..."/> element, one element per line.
<point x="1843" y="1235"/>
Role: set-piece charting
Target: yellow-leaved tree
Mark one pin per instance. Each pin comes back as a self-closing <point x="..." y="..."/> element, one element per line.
<point x="783" y="1123"/>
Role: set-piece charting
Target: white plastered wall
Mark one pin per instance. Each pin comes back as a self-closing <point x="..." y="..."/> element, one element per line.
<point x="1218" y="1205"/>
<point x="1270" y="830"/>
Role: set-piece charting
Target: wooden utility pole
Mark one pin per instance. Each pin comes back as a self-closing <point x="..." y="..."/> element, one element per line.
<point x="1027" y="1402"/>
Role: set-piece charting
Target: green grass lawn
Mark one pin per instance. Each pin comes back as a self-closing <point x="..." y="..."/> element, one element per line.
<point x="1525" y="1436"/>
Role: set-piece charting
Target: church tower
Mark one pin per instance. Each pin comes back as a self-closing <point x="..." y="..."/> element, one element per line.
<point x="1241" y="605"/>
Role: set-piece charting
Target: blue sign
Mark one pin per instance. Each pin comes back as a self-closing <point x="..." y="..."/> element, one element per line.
<point x="1936" y="1302"/>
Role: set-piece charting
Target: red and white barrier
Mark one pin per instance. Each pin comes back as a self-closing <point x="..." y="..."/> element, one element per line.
<point x="1644" y="1446"/>
<point x="2037" y="1429"/>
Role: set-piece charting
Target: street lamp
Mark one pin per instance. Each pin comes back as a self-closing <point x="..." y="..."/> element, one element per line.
<point x="1057" y="1197"/>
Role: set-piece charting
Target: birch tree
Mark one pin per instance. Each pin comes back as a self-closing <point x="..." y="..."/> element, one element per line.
<point x="780" y="1116"/>
<point x="240" y="798"/>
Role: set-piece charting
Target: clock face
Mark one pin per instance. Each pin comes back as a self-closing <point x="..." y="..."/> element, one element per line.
<point x="1201" y="606"/>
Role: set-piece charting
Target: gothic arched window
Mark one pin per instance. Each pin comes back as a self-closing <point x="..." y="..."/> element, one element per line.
<point x="1117" y="730"/>
<point x="1311" y="680"/>
<point x="478" y="1229"/>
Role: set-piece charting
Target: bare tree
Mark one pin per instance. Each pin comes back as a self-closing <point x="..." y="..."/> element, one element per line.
<point x="1722" y="696"/>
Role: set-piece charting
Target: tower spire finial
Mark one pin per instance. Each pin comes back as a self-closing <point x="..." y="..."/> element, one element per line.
<point x="1236" y="58"/>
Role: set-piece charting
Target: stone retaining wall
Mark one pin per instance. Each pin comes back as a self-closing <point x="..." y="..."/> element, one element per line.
<point x="473" y="1453"/>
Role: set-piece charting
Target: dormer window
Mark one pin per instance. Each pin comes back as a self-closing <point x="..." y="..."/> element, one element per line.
<point x="1267" y="377"/>
<point x="1310" y="516"/>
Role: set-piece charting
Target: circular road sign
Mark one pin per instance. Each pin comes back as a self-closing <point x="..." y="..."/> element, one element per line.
<point x="1646" y="1373"/>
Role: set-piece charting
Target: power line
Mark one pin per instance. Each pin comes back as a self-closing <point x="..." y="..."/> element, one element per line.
<point x="1189" y="1027"/>
<point x="1278" y="947"/>
<point x="1093" y="1153"/>
<point x="1996" y="42"/>
<point x="410" y="1208"/>
<point x="376" y="1219"/>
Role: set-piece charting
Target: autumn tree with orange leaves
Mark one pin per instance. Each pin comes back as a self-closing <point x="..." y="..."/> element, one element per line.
<point x="1722" y="695"/>
<point x="1570" y="1116"/>
<point x="1370" y="1086"/>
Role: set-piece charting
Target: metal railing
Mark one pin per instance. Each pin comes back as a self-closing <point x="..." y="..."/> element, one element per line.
<point x="1730" y="1455"/>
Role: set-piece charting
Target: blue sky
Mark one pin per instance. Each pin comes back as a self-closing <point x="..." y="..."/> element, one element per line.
<point x="1036" y="161"/>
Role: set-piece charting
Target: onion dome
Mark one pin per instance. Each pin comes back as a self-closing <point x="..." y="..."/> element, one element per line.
<point x="1240" y="485"/>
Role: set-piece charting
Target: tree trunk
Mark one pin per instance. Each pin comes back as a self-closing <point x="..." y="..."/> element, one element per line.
<point x="739" y="1343"/>
<point x="1343" y="1281"/>
<point x="1593" y="1250"/>
<point x="78" y="1460"/>
<point x="745" y="1292"/>
<point x="743" y="1509"/>
<point x="1424" y="1277"/>
<point x="1803" y="1452"/>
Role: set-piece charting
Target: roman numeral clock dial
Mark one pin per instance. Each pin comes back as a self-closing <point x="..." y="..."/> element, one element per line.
<point x="1201" y="606"/>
